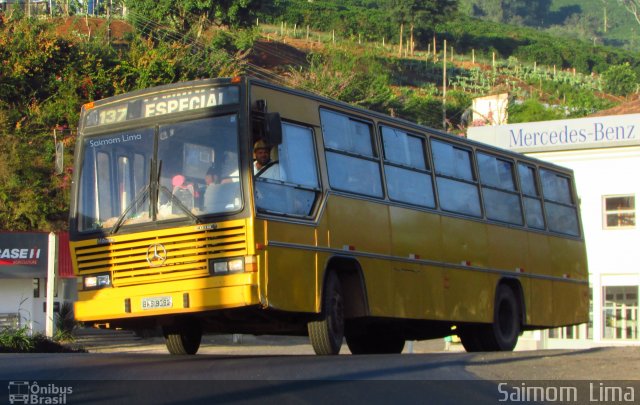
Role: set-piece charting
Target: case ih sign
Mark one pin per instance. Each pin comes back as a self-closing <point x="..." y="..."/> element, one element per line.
<point x="23" y="254"/>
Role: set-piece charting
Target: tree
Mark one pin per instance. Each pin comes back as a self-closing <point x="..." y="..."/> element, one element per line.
<point x="359" y="79"/>
<point x="44" y="80"/>
<point x="183" y="15"/>
<point x="632" y="6"/>
<point x="620" y="79"/>
<point x="532" y="110"/>
<point x="419" y="14"/>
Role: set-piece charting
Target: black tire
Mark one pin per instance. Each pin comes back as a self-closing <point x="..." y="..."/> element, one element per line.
<point x="183" y="338"/>
<point x="504" y="332"/>
<point x="375" y="344"/>
<point x="326" y="335"/>
<point x="470" y="338"/>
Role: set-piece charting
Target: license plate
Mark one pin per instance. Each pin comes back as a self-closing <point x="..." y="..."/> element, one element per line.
<point x="156" y="303"/>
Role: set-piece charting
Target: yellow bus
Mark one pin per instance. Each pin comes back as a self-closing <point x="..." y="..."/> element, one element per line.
<point x="350" y="225"/>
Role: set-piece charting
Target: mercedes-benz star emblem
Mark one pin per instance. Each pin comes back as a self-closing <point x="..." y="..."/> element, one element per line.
<point x="156" y="255"/>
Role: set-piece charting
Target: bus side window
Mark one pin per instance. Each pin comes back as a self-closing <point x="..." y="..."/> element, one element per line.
<point x="457" y="187"/>
<point x="531" y="196"/>
<point x="406" y="169"/>
<point x="562" y="214"/>
<point x="501" y="200"/>
<point x="296" y="194"/>
<point x="351" y="158"/>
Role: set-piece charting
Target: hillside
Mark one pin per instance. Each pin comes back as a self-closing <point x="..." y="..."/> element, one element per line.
<point x="52" y="67"/>
<point x="583" y="19"/>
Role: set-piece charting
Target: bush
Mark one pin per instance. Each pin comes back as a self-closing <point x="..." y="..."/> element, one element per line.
<point x="65" y="323"/>
<point x="346" y="76"/>
<point x="620" y="80"/>
<point x="16" y="340"/>
<point x="19" y="340"/>
<point x="532" y="110"/>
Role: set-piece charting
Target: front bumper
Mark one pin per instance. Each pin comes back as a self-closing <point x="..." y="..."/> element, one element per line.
<point x="187" y="296"/>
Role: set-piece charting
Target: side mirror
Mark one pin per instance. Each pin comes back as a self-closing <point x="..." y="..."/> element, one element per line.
<point x="273" y="128"/>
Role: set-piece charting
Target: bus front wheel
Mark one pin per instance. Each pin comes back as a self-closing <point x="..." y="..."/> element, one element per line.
<point x="326" y="334"/>
<point x="183" y="338"/>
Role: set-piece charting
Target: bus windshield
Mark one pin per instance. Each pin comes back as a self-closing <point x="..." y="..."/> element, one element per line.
<point x="173" y="171"/>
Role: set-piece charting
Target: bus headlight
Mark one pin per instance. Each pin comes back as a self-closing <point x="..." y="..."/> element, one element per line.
<point x="96" y="281"/>
<point x="234" y="265"/>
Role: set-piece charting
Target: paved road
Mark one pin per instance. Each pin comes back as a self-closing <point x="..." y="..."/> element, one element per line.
<point x="276" y="370"/>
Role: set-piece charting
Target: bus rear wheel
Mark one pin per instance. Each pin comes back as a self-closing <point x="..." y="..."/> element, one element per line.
<point x="326" y="335"/>
<point x="503" y="334"/>
<point x="183" y="338"/>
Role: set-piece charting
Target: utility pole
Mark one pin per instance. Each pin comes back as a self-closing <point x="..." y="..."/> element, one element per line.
<point x="444" y="86"/>
<point x="400" y="45"/>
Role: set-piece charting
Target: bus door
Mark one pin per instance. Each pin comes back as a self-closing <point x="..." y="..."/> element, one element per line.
<point x="287" y="191"/>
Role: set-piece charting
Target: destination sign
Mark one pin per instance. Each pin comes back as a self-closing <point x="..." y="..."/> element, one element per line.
<point x="162" y="104"/>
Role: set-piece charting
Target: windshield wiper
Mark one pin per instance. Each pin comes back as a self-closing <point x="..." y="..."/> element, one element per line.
<point x="155" y="195"/>
<point x="152" y="189"/>
<point x="154" y="183"/>
<point x="135" y="203"/>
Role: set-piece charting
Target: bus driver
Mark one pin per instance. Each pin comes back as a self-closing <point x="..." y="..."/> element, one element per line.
<point x="262" y="153"/>
<point x="263" y="166"/>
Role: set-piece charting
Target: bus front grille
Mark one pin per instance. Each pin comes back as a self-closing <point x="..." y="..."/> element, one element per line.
<point x="131" y="259"/>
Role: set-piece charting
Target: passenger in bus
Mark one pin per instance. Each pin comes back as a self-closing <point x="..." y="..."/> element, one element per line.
<point x="211" y="176"/>
<point x="221" y="194"/>
<point x="184" y="191"/>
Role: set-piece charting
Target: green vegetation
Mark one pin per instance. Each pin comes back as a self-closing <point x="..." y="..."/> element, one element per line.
<point x="530" y="45"/>
<point x="21" y="341"/>
<point x="65" y="323"/>
<point x="620" y="80"/>
<point x="603" y="21"/>
<point x="45" y="76"/>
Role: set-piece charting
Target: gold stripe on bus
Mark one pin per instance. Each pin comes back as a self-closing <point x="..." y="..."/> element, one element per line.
<point x="426" y="262"/>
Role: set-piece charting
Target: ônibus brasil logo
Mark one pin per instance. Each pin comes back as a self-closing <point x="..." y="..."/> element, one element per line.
<point x="25" y="392"/>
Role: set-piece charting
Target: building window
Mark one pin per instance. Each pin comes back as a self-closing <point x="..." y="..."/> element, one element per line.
<point x="36" y="288"/>
<point x="620" y="312"/>
<point x="619" y="211"/>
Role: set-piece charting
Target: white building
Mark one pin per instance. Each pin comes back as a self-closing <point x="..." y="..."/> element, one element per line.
<point x="23" y="279"/>
<point x="604" y="153"/>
